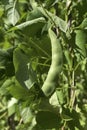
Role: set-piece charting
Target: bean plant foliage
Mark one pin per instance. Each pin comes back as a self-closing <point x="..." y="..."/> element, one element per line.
<point x="43" y="64"/>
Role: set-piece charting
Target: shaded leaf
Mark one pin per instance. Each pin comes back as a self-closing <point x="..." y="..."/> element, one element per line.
<point x="48" y="120"/>
<point x="23" y="70"/>
<point x="5" y="86"/>
<point x="18" y="91"/>
<point x="4" y="55"/>
<point x="74" y="118"/>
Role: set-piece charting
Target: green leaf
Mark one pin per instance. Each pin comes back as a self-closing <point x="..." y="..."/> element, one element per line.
<point x="11" y="86"/>
<point x="23" y="70"/>
<point x="48" y="120"/>
<point x="46" y="105"/>
<point x="81" y="40"/>
<point x="66" y="117"/>
<point x="28" y="23"/>
<point x="55" y="19"/>
<point x="60" y="96"/>
<point x="6" y="62"/>
<point x="6" y="84"/>
<point x="3" y="57"/>
<point x="2" y="72"/>
<point x="2" y="35"/>
<point x="1" y="11"/>
<point x="12" y="13"/>
<point x="34" y="14"/>
<point x="83" y="25"/>
<point x="54" y="100"/>
<point x="61" y="24"/>
<point x="68" y="58"/>
<point x="31" y="27"/>
<point x="26" y="114"/>
<point x="74" y="118"/>
<point x="33" y="4"/>
<point x="18" y="91"/>
<point x="12" y="106"/>
<point x="49" y="3"/>
<point x="10" y="69"/>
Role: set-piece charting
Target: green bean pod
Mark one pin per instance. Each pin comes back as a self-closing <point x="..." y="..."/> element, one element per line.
<point x="56" y="65"/>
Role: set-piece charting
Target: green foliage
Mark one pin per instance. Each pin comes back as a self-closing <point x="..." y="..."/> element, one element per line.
<point x="23" y="67"/>
<point x="48" y="120"/>
<point x="43" y="64"/>
<point x="81" y="41"/>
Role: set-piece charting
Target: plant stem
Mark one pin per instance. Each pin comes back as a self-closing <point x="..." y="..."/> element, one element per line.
<point x="46" y="12"/>
<point x="72" y="92"/>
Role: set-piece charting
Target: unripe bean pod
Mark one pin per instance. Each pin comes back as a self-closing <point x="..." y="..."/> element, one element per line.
<point x="56" y="65"/>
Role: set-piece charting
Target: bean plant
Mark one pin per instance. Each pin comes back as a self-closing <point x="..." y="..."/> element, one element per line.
<point x="43" y="64"/>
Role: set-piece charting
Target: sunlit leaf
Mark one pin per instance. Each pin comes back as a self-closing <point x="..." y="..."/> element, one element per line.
<point x="12" y="106"/>
<point x="13" y="14"/>
<point x="26" y="114"/>
<point x="81" y="40"/>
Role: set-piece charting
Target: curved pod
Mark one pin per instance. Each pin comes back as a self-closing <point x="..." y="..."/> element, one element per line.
<point x="56" y="65"/>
